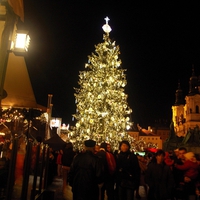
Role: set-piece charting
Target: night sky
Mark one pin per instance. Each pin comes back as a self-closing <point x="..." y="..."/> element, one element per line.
<point x="159" y="43"/>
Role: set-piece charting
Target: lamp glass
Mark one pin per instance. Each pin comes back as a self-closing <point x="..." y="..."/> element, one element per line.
<point x="22" y="41"/>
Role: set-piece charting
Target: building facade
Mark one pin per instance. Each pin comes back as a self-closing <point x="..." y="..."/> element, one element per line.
<point x="184" y="129"/>
<point x="186" y="113"/>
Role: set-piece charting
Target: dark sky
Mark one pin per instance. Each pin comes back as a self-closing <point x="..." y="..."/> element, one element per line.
<point x="159" y="43"/>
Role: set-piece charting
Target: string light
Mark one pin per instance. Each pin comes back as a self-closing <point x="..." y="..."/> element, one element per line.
<point x="102" y="112"/>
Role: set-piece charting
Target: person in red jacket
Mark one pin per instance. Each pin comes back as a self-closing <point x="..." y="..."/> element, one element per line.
<point x="191" y="171"/>
<point x="190" y="166"/>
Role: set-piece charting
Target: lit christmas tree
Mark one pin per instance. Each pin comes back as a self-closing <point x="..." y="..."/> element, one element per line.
<point x="102" y="111"/>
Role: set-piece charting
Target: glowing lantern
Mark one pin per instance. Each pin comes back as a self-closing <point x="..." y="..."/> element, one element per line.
<point x="21" y="43"/>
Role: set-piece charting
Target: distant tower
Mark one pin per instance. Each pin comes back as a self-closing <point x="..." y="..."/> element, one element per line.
<point x="193" y="84"/>
<point x="178" y="117"/>
<point x="186" y="114"/>
<point x="179" y="96"/>
<point x="192" y="107"/>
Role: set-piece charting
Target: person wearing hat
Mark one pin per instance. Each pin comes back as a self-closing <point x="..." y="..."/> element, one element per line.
<point x="86" y="173"/>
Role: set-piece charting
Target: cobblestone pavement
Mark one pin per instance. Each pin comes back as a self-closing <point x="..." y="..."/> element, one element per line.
<point x="56" y="188"/>
<point x="67" y="195"/>
<point x="54" y="191"/>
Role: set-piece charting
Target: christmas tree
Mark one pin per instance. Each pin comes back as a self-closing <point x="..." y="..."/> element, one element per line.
<point x="102" y="111"/>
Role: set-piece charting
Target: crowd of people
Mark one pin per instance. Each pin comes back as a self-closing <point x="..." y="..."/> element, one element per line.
<point x="98" y="173"/>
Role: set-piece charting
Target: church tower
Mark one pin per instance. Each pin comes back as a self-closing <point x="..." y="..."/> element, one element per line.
<point x="186" y="115"/>
<point x="178" y="117"/>
<point x="192" y="106"/>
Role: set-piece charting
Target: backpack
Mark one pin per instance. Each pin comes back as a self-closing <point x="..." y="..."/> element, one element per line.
<point x="111" y="163"/>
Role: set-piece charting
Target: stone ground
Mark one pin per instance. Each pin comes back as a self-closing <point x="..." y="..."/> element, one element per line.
<point x="54" y="191"/>
<point x="56" y="186"/>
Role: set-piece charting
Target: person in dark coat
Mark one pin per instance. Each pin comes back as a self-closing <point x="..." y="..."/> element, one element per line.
<point x="128" y="170"/>
<point x="108" y="180"/>
<point x="159" y="178"/>
<point x="52" y="166"/>
<point x="86" y="174"/>
<point x="66" y="160"/>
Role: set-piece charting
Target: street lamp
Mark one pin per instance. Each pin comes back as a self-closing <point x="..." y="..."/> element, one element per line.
<point x="21" y="43"/>
<point x="19" y="46"/>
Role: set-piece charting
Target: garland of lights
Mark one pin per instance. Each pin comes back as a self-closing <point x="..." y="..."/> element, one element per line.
<point x="21" y="114"/>
<point x="102" y="111"/>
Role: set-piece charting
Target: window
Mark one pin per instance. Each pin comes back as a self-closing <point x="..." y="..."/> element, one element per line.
<point x="197" y="109"/>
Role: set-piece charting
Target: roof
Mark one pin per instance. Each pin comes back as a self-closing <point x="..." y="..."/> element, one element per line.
<point x="18" y="85"/>
<point x="55" y="142"/>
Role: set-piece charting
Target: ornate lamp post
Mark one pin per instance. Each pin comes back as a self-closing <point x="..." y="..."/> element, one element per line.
<point x="8" y="20"/>
<point x="19" y="47"/>
<point x="10" y="13"/>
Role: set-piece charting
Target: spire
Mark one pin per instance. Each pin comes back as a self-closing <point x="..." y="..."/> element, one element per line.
<point x="193" y="83"/>
<point x="193" y="73"/>
<point x="179" y="95"/>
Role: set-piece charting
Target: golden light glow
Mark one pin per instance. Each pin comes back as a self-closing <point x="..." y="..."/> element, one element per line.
<point x="102" y="112"/>
<point x="21" y="42"/>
